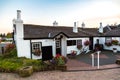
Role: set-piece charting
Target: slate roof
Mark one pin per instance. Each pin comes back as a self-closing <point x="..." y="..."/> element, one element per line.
<point x="113" y="33"/>
<point x="50" y="32"/>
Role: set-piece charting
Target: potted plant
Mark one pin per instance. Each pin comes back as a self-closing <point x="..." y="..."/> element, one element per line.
<point x="115" y="42"/>
<point x="59" y="62"/>
<point x="87" y="43"/>
<point x="37" y="52"/>
<point x="73" y="53"/>
<point x="114" y="50"/>
<point x="79" y="47"/>
<point x="108" y="44"/>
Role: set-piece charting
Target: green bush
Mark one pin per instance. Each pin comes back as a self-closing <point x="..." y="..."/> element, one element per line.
<point x="14" y="64"/>
<point x="38" y="65"/>
<point x="11" y="54"/>
<point x="61" y="61"/>
<point x="8" y="65"/>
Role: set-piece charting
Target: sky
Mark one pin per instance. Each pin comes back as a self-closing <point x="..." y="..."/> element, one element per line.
<point x="65" y="12"/>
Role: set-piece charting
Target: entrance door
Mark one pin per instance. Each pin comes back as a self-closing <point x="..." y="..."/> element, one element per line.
<point x="58" y="46"/>
<point x="47" y="53"/>
<point x="91" y="45"/>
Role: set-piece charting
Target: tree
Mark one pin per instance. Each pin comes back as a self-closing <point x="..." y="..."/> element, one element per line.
<point x="1" y="35"/>
<point x="9" y="35"/>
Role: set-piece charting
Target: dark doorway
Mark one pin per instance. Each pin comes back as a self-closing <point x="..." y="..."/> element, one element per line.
<point x="58" y="46"/>
<point x="91" y="45"/>
<point x="47" y="53"/>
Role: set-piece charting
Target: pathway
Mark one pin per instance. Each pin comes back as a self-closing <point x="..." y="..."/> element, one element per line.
<point x="111" y="74"/>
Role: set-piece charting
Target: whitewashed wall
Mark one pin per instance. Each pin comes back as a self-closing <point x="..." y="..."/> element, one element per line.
<point x="45" y="42"/>
<point x="23" y="48"/>
<point x="102" y="41"/>
<point x="114" y="46"/>
<point x="64" y="46"/>
<point x="70" y="48"/>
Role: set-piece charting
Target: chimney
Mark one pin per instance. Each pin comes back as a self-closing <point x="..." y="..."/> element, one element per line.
<point x="18" y="14"/>
<point x="83" y="25"/>
<point x="55" y="23"/>
<point x="75" y="29"/>
<point x="101" y="28"/>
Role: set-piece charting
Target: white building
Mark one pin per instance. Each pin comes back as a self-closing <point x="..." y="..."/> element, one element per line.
<point x="44" y="42"/>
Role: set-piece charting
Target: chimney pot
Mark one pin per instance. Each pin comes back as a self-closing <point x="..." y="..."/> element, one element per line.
<point x="75" y="28"/>
<point x="101" y="28"/>
<point x="19" y="14"/>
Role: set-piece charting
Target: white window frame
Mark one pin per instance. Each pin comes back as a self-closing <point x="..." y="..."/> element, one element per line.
<point x="36" y="46"/>
<point x="79" y="42"/>
<point x="58" y="44"/>
<point x="108" y="39"/>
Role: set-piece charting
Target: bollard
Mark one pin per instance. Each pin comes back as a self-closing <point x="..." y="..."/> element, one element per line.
<point x="92" y="60"/>
<point x="98" y="60"/>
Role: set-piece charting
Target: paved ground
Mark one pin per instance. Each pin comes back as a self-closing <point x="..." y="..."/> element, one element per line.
<point x="84" y="60"/>
<point x="111" y="74"/>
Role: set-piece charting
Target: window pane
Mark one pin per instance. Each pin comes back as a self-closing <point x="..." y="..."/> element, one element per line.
<point x="108" y="39"/>
<point x="79" y="42"/>
<point x="36" y="46"/>
<point x="71" y="42"/>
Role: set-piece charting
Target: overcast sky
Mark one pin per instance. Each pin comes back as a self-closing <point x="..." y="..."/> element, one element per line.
<point x="65" y="12"/>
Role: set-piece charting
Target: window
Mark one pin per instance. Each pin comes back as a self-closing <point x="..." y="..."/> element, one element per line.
<point x="58" y="45"/>
<point x="108" y="40"/>
<point x="79" y="42"/>
<point x="71" y="42"/>
<point x="36" y="48"/>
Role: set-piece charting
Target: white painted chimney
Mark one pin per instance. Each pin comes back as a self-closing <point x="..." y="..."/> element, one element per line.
<point x="18" y="14"/>
<point x="83" y="25"/>
<point x="75" y="28"/>
<point x="101" y="28"/>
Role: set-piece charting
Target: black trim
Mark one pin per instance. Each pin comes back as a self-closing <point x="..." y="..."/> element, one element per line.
<point x="37" y="38"/>
<point x="61" y="33"/>
<point x="67" y="37"/>
<point x="31" y="46"/>
<point x="91" y="43"/>
<point x="31" y="49"/>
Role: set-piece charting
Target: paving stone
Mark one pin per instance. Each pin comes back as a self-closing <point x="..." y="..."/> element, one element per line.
<point x="110" y="74"/>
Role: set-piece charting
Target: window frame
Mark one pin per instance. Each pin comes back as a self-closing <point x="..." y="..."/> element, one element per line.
<point x="71" y="42"/>
<point x="36" y="46"/>
<point x="79" y="42"/>
<point x="108" y="39"/>
<point x="58" y="44"/>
